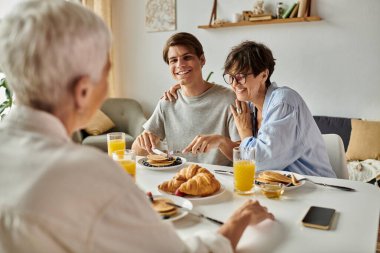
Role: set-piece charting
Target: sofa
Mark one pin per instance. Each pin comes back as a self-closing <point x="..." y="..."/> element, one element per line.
<point x="115" y="115"/>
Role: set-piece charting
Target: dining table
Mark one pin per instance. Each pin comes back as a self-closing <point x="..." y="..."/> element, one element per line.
<point x="354" y="226"/>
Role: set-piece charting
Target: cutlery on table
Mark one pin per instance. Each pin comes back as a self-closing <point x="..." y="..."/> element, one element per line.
<point x="344" y="188"/>
<point x="225" y="172"/>
<point x="159" y="152"/>
<point x="195" y="213"/>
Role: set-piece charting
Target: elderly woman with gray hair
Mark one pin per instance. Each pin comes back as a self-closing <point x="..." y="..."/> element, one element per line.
<point x="58" y="196"/>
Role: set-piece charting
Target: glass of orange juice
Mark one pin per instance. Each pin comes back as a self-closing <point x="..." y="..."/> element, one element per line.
<point x="127" y="159"/>
<point x="115" y="141"/>
<point x="244" y="170"/>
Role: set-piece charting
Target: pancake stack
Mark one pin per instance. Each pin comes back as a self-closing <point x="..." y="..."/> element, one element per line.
<point x="268" y="177"/>
<point x="160" y="160"/>
<point x="165" y="210"/>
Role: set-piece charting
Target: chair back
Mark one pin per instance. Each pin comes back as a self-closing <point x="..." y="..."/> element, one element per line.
<point x="126" y="113"/>
<point x="337" y="156"/>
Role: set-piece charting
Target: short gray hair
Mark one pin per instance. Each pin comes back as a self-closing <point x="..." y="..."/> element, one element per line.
<point x="47" y="45"/>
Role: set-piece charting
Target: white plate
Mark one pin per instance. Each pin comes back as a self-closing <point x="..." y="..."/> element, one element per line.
<point x="179" y="201"/>
<point x="189" y="197"/>
<point x="297" y="176"/>
<point x="140" y="162"/>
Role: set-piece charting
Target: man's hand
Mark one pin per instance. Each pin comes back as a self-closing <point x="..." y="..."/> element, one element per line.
<point x="204" y="143"/>
<point x="146" y="141"/>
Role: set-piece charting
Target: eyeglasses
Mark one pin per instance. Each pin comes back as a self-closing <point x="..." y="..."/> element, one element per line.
<point x="239" y="78"/>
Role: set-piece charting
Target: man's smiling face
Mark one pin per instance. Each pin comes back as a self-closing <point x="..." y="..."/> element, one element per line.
<point x="185" y="66"/>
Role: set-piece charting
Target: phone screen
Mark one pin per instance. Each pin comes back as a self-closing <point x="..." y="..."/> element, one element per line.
<point x="318" y="217"/>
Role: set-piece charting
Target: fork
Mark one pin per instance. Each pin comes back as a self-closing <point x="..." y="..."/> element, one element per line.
<point x="329" y="185"/>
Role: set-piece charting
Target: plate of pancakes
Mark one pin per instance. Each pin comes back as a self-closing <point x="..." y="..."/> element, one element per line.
<point x="168" y="212"/>
<point x="161" y="162"/>
<point x="289" y="179"/>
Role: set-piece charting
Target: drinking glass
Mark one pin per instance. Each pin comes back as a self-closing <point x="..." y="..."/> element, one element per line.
<point x="244" y="170"/>
<point x="127" y="159"/>
<point x="115" y="141"/>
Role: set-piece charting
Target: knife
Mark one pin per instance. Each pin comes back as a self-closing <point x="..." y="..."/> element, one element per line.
<point x="225" y="172"/>
<point x="195" y="213"/>
<point x="159" y="152"/>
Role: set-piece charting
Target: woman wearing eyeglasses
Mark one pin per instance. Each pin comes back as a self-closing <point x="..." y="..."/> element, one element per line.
<point x="274" y="120"/>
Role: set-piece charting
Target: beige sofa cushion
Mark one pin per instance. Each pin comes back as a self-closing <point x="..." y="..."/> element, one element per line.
<point x="364" y="141"/>
<point x="99" y="124"/>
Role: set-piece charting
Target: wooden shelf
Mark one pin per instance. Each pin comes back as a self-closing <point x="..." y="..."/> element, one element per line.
<point x="263" y="22"/>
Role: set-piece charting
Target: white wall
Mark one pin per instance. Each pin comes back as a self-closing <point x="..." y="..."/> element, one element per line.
<point x="6" y="6"/>
<point x="334" y="64"/>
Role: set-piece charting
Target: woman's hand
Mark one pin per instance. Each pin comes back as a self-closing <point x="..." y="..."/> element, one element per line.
<point x="171" y="94"/>
<point x="251" y="212"/>
<point x="146" y="141"/>
<point x="242" y="118"/>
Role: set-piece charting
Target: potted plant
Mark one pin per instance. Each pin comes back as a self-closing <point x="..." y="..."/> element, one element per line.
<point x="7" y="103"/>
<point x="209" y="75"/>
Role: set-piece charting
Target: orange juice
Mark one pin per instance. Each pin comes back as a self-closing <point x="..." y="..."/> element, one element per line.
<point x="114" y="145"/>
<point x="129" y="166"/>
<point x="127" y="159"/>
<point x="244" y="175"/>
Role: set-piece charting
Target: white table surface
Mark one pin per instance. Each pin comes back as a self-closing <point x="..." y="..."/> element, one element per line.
<point x="354" y="228"/>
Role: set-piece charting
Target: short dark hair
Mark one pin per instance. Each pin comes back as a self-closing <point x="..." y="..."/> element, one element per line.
<point x="250" y="56"/>
<point x="185" y="39"/>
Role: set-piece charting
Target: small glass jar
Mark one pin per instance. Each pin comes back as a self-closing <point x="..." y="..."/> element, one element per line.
<point x="280" y="10"/>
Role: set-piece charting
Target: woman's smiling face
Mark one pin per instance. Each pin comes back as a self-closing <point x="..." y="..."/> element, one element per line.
<point x="247" y="87"/>
<point x="185" y="66"/>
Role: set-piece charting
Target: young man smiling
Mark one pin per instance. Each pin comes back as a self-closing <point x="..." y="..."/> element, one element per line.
<point x="199" y="121"/>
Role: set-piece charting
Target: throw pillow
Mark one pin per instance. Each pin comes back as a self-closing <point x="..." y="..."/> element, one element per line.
<point x="364" y="141"/>
<point x="99" y="124"/>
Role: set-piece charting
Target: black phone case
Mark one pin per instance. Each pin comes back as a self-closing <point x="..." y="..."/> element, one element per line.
<point x="318" y="217"/>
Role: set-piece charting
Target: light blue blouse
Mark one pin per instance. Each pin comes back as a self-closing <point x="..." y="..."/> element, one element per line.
<point x="289" y="139"/>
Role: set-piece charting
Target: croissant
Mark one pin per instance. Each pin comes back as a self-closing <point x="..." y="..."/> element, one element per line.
<point x="172" y="185"/>
<point x="202" y="184"/>
<point x="191" y="171"/>
<point x="192" y="180"/>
